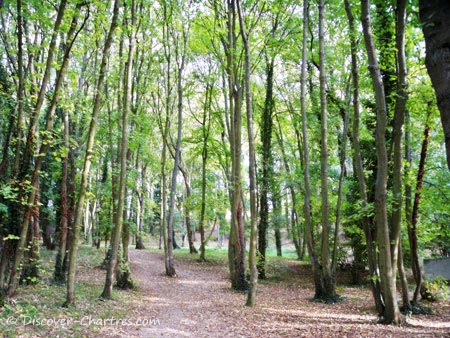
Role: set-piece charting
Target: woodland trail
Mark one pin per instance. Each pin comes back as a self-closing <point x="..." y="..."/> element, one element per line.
<point x="200" y="303"/>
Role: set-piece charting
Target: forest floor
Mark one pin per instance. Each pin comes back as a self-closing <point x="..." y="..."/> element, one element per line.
<point x="200" y="303"/>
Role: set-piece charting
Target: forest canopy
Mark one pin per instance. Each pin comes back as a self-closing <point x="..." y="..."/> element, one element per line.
<point x="254" y="124"/>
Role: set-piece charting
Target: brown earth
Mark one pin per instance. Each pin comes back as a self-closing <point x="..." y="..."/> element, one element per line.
<point x="200" y="303"/>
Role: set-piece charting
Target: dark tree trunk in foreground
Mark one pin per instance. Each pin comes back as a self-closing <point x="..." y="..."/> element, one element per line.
<point x="435" y="17"/>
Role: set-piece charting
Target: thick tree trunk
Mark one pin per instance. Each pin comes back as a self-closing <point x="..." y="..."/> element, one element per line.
<point x="435" y="16"/>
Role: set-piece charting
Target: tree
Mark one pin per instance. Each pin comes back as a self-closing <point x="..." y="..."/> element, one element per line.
<point x="252" y="167"/>
<point x="114" y="260"/>
<point x="387" y="278"/>
<point x="70" y="297"/>
<point x="309" y="236"/>
<point x="13" y="283"/>
<point x="434" y="16"/>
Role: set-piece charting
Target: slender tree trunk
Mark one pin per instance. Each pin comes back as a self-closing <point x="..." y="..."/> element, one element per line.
<point x="70" y="296"/>
<point x="251" y="297"/>
<point x="20" y="89"/>
<point x="266" y="169"/>
<point x="328" y="283"/>
<point x="406" y="307"/>
<point x="14" y="277"/>
<point x="391" y="311"/>
<point x="412" y="229"/>
<point x="140" y="209"/>
<point x="357" y="159"/>
<point x="170" y="267"/>
<point x="399" y="119"/>
<point x="34" y="119"/>
<point x="206" y="123"/>
<point x="297" y="237"/>
<point x="117" y="232"/>
<point x="187" y="211"/>
<point x="59" y="275"/>
<point x="309" y="234"/>
<point x="276" y="218"/>
<point x="340" y="193"/>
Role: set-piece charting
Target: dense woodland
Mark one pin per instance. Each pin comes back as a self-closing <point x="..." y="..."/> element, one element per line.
<point x="252" y="123"/>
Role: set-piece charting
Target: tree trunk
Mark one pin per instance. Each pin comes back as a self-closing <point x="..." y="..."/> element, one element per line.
<point x="328" y="283"/>
<point x="266" y="169"/>
<point x="399" y="119"/>
<point x="296" y="230"/>
<point x="309" y="233"/>
<point x="70" y="296"/>
<point x="251" y="296"/>
<point x="359" y="169"/>
<point x="435" y="16"/>
<point x="187" y="211"/>
<point x="206" y="123"/>
<point x="391" y="311"/>
<point x="236" y="244"/>
<point x="412" y="228"/>
<point x="58" y="275"/>
<point x="114" y="259"/>
<point x="13" y="282"/>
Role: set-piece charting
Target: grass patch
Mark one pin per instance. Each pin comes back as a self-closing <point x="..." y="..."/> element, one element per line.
<point x="38" y="309"/>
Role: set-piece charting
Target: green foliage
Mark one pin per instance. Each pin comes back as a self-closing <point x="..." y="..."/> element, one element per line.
<point x="438" y="288"/>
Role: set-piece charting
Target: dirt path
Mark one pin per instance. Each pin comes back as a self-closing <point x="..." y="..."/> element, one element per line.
<point x="199" y="303"/>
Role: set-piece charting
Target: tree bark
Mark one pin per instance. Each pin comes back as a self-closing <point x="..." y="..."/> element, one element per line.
<point x="14" y="278"/>
<point x="359" y="169"/>
<point x="266" y="169"/>
<point x="114" y="259"/>
<point x="435" y="16"/>
<point x="399" y="119"/>
<point x="391" y="311"/>
<point x="70" y="296"/>
<point x="309" y="233"/>
<point x="328" y="283"/>
<point x="236" y="244"/>
<point x="206" y="124"/>
<point x="412" y="228"/>
<point x="251" y="296"/>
